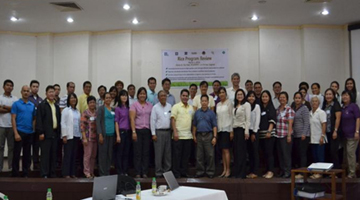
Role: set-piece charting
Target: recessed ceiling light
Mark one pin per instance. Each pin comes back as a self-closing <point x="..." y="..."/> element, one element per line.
<point x="14" y="19"/>
<point x="254" y="18"/>
<point x="194" y="4"/>
<point x="135" y="21"/>
<point x="325" y="12"/>
<point x="70" y="20"/>
<point x="126" y="7"/>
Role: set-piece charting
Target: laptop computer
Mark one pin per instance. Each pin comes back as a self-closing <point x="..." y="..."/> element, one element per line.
<point x="104" y="187"/>
<point x="171" y="180"/>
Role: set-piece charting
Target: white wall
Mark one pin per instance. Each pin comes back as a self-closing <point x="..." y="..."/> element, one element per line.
<point x="17" y="60"/>
<point x="324" y="57"/>
<point x="280" y="58"/>
<point x="267" y="54"/>
<point x="111" y="59"/>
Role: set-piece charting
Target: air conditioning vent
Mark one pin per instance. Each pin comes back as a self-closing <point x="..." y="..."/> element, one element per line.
<point x="66" y="6"/>
<point x="317" y="1"/>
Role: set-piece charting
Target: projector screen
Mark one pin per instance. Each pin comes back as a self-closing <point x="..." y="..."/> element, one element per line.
<point x="355" y="55"/>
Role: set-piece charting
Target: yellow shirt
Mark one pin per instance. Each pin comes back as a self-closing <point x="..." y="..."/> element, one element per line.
<point x="53" y="111"/>
<point x="183" y="120"/>
<point x="82" y="103"/>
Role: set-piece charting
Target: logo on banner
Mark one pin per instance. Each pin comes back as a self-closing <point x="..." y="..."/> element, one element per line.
<point x="166" y="54"/>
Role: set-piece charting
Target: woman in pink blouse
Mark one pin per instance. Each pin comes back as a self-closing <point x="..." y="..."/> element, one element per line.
<point x="140" y="112"/>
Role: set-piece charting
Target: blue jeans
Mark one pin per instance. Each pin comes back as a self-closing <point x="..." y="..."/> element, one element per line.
<point x="318" y="152"/>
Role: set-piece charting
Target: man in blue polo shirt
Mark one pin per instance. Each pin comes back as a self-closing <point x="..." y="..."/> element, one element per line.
<point x="205" y="134"/>
<point x="23" y="123"/>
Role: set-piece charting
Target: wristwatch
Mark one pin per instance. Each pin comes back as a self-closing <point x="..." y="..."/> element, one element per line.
<point x="134" y="131"/>
<point x="215" y="137"/>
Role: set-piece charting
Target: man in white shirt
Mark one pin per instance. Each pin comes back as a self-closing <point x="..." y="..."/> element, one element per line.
<point x="6" y="130"/>
<point x="277" y="88"/>
<point x="131" y="90"/>
<point x="235" y="80"/>
<point x="203" y="89"/>
<point x="193" y="90"/>
<point x="161" y="134"/>
<point x="70" y="87"/>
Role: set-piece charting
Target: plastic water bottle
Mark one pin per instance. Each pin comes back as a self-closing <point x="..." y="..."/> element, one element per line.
<point x="49" y="194"/>
<point x="138" y="191"/>
<point x="6" y="198"/>
<point x="153" y="185"/>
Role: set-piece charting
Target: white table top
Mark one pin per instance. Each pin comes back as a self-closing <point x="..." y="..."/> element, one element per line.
<point x="182" y="193"/>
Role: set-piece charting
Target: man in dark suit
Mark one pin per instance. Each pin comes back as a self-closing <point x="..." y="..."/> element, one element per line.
<point x="48" y="128"/>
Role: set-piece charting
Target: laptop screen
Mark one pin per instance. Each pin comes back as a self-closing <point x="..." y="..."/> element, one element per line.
<point x="104" y="187"/>
<point x="171" y="180"/>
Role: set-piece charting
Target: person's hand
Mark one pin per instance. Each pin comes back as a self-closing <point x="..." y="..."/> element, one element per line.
<point x="17" y="137"/>
<point x="334" y="135"/>
<point x="118" y="139"/>
<point x="246" y="136"/>
<point x="134" y="137"/>
<point x="288" y="139"/>
<point x="321" y="140"/>
<point x="268" y="135"/>
<point x="85" y="142"/>
<point x="64" y="140"/>
<point x="253" y="138"/>
<point x="195" y="140"/>
<point x="213" y="141"/>
<point x="154" y="138"/>
<point x="176" y="136"/>
<point x="41" y="137"/>
<point x="231" y="136"/>
<point x="303" y="137"/>
<point x="101" y="139"/>
<point x="356" y="136"/>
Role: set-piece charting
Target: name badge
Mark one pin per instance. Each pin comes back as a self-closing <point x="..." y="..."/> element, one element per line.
<point x="92" y="118"/>
<point x="112" y="112"/>
<point x="328" y="112"/>
<point x="263" y="113"/>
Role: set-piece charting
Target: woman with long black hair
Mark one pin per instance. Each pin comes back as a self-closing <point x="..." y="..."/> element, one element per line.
<point x="350" y="85"/>
<point x="122" y="129"/>
<point x="241" y="124"/>
<point x="253" y="143"/>
<point x="332" y="109"/>
<point x="267" y="131"/>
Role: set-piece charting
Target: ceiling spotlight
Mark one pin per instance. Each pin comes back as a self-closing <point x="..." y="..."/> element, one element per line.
<point x="135" y="21"/>
<point x="126" y="7"/>
<point x="254" y="18"/>
<point x="70" y="20"/>
<point x="325" y="12"/>
<point x="14" y="19"/>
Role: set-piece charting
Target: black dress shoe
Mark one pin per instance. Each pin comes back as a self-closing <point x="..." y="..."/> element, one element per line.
<point x="199" y="175"/>
<point x="286" y="175"/>
<point x="186" y="176"/>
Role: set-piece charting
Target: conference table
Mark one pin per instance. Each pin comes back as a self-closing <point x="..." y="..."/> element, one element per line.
<point x="181" y="193"/>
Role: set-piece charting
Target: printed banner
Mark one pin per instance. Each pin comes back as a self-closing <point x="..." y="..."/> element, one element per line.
<point x="184" y="67"/>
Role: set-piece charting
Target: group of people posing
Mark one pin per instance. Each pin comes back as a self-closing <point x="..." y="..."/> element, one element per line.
<point x="121" y="127"/>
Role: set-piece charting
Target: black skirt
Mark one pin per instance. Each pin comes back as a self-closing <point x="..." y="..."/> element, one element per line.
<point x="224" y="140"/>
